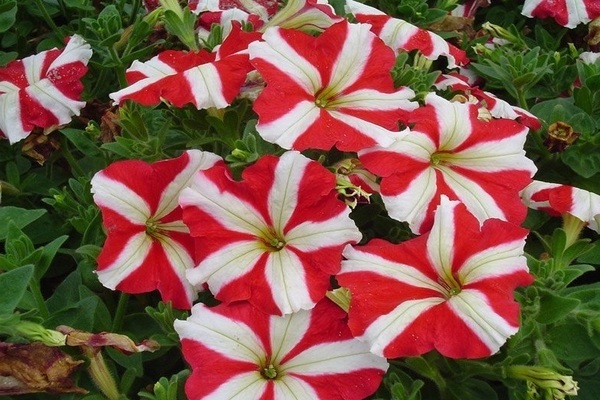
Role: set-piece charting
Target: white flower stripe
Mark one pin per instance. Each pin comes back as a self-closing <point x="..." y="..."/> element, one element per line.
<point x="131" y="257"/>
<point x="11" y="123"/>
<point x="54" y="101"/>
<point x="339" y="357"/>
<point x="76" y="51"/>
<point x="197" y="160"/>
<point x="277" y="52"/>
<point x="477" y="198"/>
<point x="119" y="198"/>
<point x="230" y="211"/>
<point x="286" y="277"/>
<point x="248" y="385"/>
<point x="353" y="57"/>
<point x="293" y="388"/>
<point x="364" y="262"/>
<point x="403" y="207"/>
<point x="381" y="332"/>
<point x="503" y="259"/>
<point x="472" y="307"/>
<point x="378" y="134"/>
<point x="180" y="260"/>
<point x="226" y="264"/>
<point x="287" y="331"/>
<point x="369" y="99"/>
<point x="286" y="129"/>
<point x="206" y="86"/>
<point x="311" y="236"/>
<point x="230" y="338"/>
<point x="440" y="242"/>
<point x="493" y="156"/>
<point x="283" y="196"/>
<point x="454" y="121"/>
<point x="154" y="70"/>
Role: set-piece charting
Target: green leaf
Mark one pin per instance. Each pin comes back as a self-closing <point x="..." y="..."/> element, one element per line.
<point x="65" y="294"/>
<point x="14" y="284"/>
<point x="571" y="342"/>
<point x="554" y="307"/>
<point x="582" y="158"/>
<point x="48" y="253"/>
<point x="20" y="216"/>
<point x="80" y="139"/>
<point x="8" y="14"/>
<point x="473" y="389"/>
<point x="592" y="256"/>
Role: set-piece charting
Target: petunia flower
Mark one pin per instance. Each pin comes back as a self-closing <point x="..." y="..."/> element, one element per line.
<point x="449" y="151"/>
<point x="147" y="246"/>
<point x="204" y="79"/>
<point x="42" y="90"/>
<point x="262" y="8"/>
<point x="497" y="107"/>
<point x="227" y="20"/>
<point x="401" y="35"/>
<point x="450" y="289"/>
<point x="557" y="199"/>
<point x="333" y="90"/>
<point x="469" y="8"/>
<point x="304" y="15"/>
<point x="236" y="351"/>
<point x="568" y="13"/>
<point x="274" y="238"/>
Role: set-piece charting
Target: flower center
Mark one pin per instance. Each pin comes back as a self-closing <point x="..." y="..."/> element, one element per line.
<point x="154" y="230"/>
<point x="324" y="98"/>
<point x="451" y="286"/>
<point x="273" y="242"/>
<point x="441" y="158"/>
<point x="269" y="372"/>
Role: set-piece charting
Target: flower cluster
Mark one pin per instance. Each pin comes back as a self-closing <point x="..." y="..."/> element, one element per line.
<point x="272" y="243"/>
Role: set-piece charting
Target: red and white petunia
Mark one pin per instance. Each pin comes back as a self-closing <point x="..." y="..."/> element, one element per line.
<point x="262" y="8"/>
<point x="469" y="8"/>
<point x="42" y="90"/>
<point x="557" y="199"/>
<point x="568" y="13"/>
<point x="148" y="246"/>
<point x="450" y="289"/>
<point x="304" y="15"/>
<point x="333" y="90"/>
<point x="201" y="78"/>
<point x="401" y="35"/>
<point x="449" y="151"/>
<point x="274" y="238"/>
<point x="497" y="107"/>
<point x="236" y="351"/>
<point x="226" y="19"/>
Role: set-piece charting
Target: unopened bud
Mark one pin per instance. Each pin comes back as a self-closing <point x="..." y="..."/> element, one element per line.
<point x="559" y="386"/>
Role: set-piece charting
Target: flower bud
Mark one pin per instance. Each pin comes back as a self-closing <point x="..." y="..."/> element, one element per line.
<point x="557" y="385"/>
<point x="37" y="333"/>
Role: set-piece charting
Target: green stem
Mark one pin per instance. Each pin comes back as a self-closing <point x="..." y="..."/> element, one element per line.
<point x="134" y="11"/>
<point x="36" y="291"/>
<point x="120" y="72"/>
<point x="521" y="99"/>
<point x="120" y="313"/>
<point x="66" y="152"/>
<point x="48" y="18"/>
